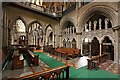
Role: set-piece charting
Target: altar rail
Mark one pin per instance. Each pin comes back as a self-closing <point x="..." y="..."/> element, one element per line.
<point x="59" y="73"/>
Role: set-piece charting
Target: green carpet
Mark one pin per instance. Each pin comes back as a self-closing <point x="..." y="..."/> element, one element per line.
<point x="77" y="73"/>
<point x="52" y="63"/>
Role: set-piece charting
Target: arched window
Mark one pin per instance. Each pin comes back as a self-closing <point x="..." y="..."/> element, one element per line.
<point x="20" y="26"/>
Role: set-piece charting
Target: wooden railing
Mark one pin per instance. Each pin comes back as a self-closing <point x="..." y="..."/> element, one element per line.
<point x="97" y="60"/>
<point x="59" y="73"/>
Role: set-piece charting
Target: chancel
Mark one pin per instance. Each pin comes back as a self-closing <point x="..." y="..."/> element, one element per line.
<point x="57" y="40"/>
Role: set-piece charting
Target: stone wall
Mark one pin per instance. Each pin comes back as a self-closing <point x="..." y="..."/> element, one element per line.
<point x="12" y="13"/>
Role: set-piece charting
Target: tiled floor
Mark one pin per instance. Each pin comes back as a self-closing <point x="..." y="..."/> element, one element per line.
<point x="25" y="71"/>
<point x="77" y="62"/>
<point x="111" y="67"/>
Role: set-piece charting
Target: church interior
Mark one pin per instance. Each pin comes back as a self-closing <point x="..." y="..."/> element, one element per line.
<point x="60" y="40"/>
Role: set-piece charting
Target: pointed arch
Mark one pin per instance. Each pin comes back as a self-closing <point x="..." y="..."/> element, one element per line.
<point x="108" y="47"/>
<point x="16" y="26"/>
<point x="13" y="21"/>
<point x="98" y="9"/>
<point x="95" y="46"/>
<point x="111" y="38"/>
<point x="35" y="28"/>
<point x="73" y="43"/>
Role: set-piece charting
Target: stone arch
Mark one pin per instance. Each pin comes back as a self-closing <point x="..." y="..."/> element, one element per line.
<point x="12" y="29"/>
<point x="74" y="43"/>
<point x="94" y="37"/>
<point x="110" y="37"/>
<point x="98" y="9"/>
<point x="95" y="46"/>
<point x="85" y="45"/>
<point x="46" y="27"/>
<point x="12" y="21"/>
<point x="108" y="47"/>
<point x="64" y="42"/>
<point x="63" y="23"/>
<point x="36" y="35"/>
<point x="48" y="31"/>
<point x="35" y="21"/>
<point x="84" y="39"/>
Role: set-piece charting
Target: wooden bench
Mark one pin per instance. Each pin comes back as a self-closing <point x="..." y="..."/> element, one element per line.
<point x="97" y="60"/>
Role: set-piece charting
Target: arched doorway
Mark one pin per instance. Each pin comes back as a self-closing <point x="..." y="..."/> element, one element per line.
<point x="50" y="39"/>
<point x="18" y="32"/>
<point x="64" y="43"/>
<point x="85" y="45"/>
<point x="73" y="43"/>
<point x="22" y="40"/>
<point x="69" y="32"/>
<point x="49" y="36"/>
<point x="107" y="47"/>
<point x="95" y="47"/>
<point x="35" y="36"/>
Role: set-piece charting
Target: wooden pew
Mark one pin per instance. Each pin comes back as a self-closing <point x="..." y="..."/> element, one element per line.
<point x="97" y="60"/>
<point x="72" y="52"/>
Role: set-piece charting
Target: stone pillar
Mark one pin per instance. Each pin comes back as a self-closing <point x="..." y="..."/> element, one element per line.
<point x="1" y="37"/>
<point x="95" y="25"/>
<point x="86" y="25"/>
<point x="116" y="45"/>
<point x="81" y="48"/>
<point x="60" y="42"/>
<point x="100" y="21"/>
<point x="116" y="48"/>
<point x="100" y="49"/>
<point x="70" y="30"/>
<point x="67" y="30"/>
<point x="90" y="24"/>
<point x="5" y="27"/>
<point x="106" y="23"/>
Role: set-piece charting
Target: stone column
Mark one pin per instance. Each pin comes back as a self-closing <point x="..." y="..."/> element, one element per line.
<point x="90" y="24"/>
<point x="70" y="30"/>
<point x="81" y="48"/>
<point x="1" y="38"/>
<point x="116" y="48"/>
<point x="86" y="25"/>
<point x="100" y="21"/>
<point x="106" y="23"/>
<point x="100" y="49"/>
<point x="95" y="25"/>
<point x="67" y="30"/>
